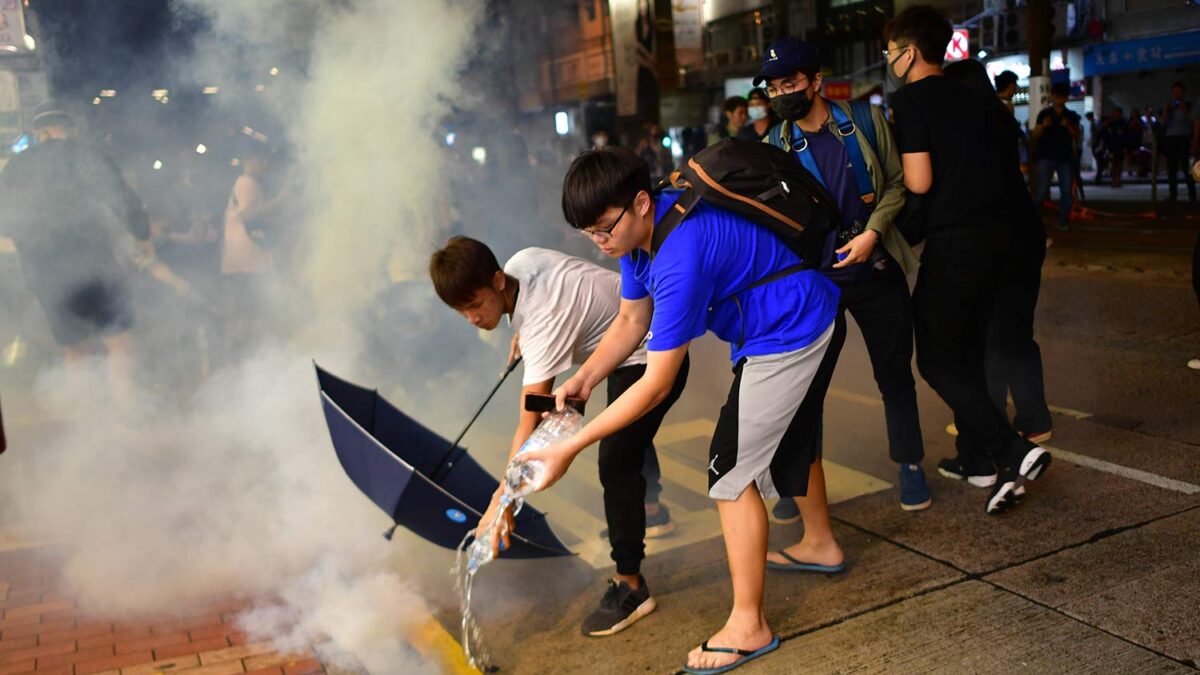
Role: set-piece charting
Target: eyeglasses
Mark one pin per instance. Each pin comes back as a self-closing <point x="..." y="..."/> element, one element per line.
<point x="887" y="53"/>
<point x="787" y="86"/>
<point x="602" y="235"/>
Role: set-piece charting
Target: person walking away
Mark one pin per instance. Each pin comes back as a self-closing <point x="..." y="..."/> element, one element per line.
<point x="81" y="234"/>
<point x="1013" y="361"/>
<point x="246" y="259"/>
<point x="561" y="307"/>
<point x="949" y="151"/>
<point x="1179" y="121"/>
<point x="849" y="148"/>
<point x="1054" y="137"/>
<point x="762" y="117"/>
<point x="1006" y="88"/>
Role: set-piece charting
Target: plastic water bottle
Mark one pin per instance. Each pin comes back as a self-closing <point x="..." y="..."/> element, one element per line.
<point x="523" y="477"/>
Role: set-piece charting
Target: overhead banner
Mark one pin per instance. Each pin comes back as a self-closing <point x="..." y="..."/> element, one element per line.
<point x="1164" y="51"/>
<point x="12" y="26"/>
<point x="687" y="17"/>
<point x="633" y="51"/>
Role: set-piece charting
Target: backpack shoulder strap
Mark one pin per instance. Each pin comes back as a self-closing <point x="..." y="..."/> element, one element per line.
<point x="863" y="115"/>
<point x="672" y="218"/>
<point x="846" y="128"/>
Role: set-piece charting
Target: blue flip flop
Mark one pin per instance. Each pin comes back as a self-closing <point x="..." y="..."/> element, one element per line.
<point x="794" y="565"/>
<point x="744" y="653"/>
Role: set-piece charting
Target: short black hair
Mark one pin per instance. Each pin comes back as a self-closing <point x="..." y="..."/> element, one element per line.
<point x="759" y="93"/>
<point x="1060" y="89"/>
<point x="464" y="267"/>
<point x="600" y="179"/>
<point x="1181" y="85"/>
<point x="1005" y="79"/>
<point x="733" y="103"/>
<point x="925" y="27"/>
<point x="971" y="73"/>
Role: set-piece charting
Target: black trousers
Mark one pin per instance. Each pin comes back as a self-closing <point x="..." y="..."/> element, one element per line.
<point x="952" y="304"/>
<point x="1014" y="360"/>
<point x="622" y="459"/>
<point x="882" y="308"/>
<point x="1177" y="149"/>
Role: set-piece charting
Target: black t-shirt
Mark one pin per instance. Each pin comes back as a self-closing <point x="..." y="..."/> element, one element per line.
<point x="1056" y="142"/>
<point x="65" y="205"/>
<point x="957" y="127"/>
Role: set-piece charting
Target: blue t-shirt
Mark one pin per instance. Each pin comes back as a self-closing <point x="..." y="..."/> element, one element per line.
<point x="711" y="255"/>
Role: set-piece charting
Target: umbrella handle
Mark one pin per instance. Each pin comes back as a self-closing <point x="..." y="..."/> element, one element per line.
<point x="503" y="376"/>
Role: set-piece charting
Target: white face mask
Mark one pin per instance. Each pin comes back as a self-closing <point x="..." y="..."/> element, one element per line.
<point x="600" y="141"/>
<point x="757" y="112"/>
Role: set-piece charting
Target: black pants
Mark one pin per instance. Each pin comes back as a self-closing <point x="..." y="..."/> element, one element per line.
<point x="622" y="459"/>
<point x="882" y="308"/>
<point x="1014" y="360"/>
<point x="951" y="307"/>
<point x="1177" y="150"/>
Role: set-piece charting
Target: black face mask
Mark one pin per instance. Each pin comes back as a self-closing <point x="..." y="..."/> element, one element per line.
<point x="793" y="106"/>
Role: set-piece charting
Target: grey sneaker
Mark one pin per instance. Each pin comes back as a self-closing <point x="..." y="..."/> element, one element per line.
<point x="620" y="608"/>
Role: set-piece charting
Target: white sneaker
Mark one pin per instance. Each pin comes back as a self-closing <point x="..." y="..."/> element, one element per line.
<point x="1194" y="364"/>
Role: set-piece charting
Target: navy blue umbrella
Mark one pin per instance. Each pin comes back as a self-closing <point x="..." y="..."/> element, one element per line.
<point x="424" y="482"/>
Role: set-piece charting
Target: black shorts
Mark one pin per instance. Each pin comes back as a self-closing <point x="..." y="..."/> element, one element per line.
<point x="93" y="308"/>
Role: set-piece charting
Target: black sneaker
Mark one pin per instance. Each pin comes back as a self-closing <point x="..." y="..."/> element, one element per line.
<point x="659" y="524"/>
<point x="979" y="477"/>
<point x="1022" y="465"/>
<point x="619" y="609"/>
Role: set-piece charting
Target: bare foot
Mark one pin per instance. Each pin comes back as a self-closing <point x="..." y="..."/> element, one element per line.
<point x="747" y="636"/>
<point x="826" y="553"/>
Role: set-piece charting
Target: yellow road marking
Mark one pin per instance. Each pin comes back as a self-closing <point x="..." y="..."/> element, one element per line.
<point x="434" y="643"/>
<point x="1077" y="414"/>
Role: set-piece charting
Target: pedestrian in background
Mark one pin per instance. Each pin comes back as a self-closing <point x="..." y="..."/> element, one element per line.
<point x="762" y="117"/>
<point x="1179" y="121"/>
<point x="1054" y="137"/>
<point x="1113" y="138"/>
<point x="733" y="117"/>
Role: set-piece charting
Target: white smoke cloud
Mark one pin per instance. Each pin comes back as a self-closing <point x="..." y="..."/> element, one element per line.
<point x="239" y="492"/>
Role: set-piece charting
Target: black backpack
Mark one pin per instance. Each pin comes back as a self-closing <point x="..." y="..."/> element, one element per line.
<point x="760" y="182"/>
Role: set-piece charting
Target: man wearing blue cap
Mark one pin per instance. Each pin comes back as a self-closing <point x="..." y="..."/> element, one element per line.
<point x="849" y="148"/>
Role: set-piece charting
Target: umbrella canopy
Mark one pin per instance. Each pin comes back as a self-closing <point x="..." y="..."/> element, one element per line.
<point x="417" y="477"/>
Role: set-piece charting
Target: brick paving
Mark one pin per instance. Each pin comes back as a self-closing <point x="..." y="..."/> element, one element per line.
<point x="43" y="632"/>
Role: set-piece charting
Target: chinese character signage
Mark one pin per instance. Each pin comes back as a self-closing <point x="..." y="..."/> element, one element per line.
<point x="1165" y="51"/>
<point x="836" y="90"/>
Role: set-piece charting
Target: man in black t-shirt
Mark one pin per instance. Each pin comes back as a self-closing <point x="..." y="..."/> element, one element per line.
<point x="951" y="151"/>
<point x="1055" y="134"/>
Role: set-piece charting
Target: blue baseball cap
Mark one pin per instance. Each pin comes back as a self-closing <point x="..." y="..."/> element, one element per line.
<point x="786" y="56"/>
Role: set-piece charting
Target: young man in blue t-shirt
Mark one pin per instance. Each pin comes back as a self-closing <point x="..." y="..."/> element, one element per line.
<point x="785" y="335"/>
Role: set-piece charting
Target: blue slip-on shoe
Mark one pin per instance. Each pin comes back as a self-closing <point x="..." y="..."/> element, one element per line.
<point x="746" y="655"/>
<point x="914" y="492"/>
<point x="794" y="565"/>
<point x="785" y="511"/>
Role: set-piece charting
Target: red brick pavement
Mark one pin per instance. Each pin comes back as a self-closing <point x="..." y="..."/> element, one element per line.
<point x="42" y="632"/>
